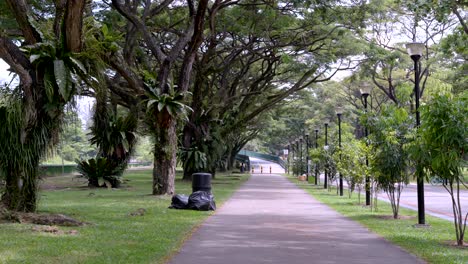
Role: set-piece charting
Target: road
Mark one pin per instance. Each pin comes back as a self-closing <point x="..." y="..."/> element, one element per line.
<point x="437" y="200"/>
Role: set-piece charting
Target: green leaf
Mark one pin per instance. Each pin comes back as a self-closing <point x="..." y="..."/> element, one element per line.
<point x="150" y="103"/>
<point x="160" y="106"/>
<point x="78" y="64"/>
<point x="61" y="78"/>
<point x="105" y="30"/>
<point x="34" y="57"/>
<point x="48" y="85"/>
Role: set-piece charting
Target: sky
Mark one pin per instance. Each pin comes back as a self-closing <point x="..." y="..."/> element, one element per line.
<point x="3" y="72"/>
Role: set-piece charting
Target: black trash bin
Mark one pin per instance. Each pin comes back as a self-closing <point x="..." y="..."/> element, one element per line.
<point x="201" y="181"/>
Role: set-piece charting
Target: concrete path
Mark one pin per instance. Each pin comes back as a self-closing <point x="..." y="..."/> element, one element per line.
<point x="270" y="220"/>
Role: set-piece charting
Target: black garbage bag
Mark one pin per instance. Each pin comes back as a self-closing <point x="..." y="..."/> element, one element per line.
<point x="202" y="201"/>
<point x="179" y="201"/>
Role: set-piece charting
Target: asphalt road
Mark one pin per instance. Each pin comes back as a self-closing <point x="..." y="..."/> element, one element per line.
<point x="437" y="200"/>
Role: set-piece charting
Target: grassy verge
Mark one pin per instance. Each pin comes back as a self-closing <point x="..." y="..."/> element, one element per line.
<point x="431" y="244"/>
<point x="113" y="236"/>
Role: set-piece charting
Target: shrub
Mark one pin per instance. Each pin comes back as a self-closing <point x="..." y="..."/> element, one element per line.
<point x="100" y="172"/>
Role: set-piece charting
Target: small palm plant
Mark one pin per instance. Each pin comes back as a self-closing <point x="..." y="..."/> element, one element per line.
<point x="100" y="172"/>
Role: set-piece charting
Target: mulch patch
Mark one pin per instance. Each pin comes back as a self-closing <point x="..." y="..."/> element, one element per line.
<point x="390" y="217"/>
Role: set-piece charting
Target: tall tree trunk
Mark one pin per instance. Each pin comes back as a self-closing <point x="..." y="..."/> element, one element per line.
<point x="165" y="159"/>
<point x="39" y="126"/>
<point x="11" y="196"/>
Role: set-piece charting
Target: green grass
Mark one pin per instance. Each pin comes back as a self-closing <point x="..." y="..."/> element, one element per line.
<point x="113" y="236"/>
<point x="431" y="244"/>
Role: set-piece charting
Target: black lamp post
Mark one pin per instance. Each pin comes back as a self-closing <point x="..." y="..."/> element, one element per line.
<point x="415" y="50"/>
<point x="325" y="183"/>
<point x="301" y="169"/>
<point x="297" y="155"/>
<point x="316" y="166"/>
<point x="339" y="112"/>
<point x="365" y="92"/>
<point x="307" y="155"/>
<point x="289" y="153"/>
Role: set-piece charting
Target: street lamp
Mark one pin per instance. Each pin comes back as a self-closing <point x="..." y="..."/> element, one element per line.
<point x="325" y="183"/>
<point x="307" y="155"/>
<point x="365" y="92"/>
<point x="289" y="153"/>
<point x="301" y="170"/>
<point x="297" y="152"/>
<point x="316" y="165"/>
<point x="415" y="50"/>
<point x="339" y="112"/>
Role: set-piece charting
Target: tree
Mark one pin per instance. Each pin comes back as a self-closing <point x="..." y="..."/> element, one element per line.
<point x="389" y="159"/>
<point x="113" y="132"/>
<point x="350" y="161"/>
<point x="250" y="64"/>
<point x="47" y="66"/>
<point x="440" y="148"/>
<point x="179" y="40"/>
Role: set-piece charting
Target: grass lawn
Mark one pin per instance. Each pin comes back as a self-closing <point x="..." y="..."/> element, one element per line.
<point x="430" y="244"/>
<point x="112" y="236"/>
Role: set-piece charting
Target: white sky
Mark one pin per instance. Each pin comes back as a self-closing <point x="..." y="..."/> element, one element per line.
<point x="3" y="72"/>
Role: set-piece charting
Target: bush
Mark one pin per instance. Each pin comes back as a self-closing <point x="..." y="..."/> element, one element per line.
<point x="100" y="172"/>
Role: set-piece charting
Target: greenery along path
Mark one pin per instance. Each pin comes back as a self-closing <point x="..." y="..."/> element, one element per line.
<point x="270" y="220"/>
<point x="434" y="244"/>
<point x="113" y="236"/>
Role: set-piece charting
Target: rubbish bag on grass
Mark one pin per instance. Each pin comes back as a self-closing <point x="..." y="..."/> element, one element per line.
<point x="202" y="201"/>
<point x="179" y="201"/>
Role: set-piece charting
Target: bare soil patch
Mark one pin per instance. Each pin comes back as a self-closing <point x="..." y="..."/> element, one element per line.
<point x="390" y="217"/>
<point x="452" y="243"/>
<point x="7" y="216"/>
<point x="53" y="230"/>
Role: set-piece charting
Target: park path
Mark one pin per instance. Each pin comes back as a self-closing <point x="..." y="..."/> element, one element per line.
<point x="270" y="220"/>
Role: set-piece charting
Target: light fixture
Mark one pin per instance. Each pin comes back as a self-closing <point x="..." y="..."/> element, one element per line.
<point x="415" y="48"/>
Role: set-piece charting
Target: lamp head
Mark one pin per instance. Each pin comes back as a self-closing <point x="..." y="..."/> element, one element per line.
<point x="365" y="89"/>
<point x="415" y="49"/>
<point x="339" y="111"/>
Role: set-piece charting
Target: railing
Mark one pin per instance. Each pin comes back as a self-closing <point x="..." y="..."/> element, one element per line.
<point x="263" y="156"/>
<point x="56" y="169"/>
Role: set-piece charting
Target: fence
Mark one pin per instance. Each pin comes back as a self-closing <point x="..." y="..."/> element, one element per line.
<point x="263" y="156"/>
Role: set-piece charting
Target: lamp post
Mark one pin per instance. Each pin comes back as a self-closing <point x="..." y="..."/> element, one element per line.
<point x="325" y="182"/>
<point x="307" y="155"/>
<point x="339" y="112"/>
<point x="289" y="153"/>
<point x="301" y="169"/>
<point x="296" y="163"/>
<point x="415" y="50"/>
<point x="365" y="92"/>
<point x="316" y="146"/>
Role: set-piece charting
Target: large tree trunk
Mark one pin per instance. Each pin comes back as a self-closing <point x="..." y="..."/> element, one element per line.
<point x="165" y="159"/>
<point x="39" y="125"/>
<point x="11" y="196"/>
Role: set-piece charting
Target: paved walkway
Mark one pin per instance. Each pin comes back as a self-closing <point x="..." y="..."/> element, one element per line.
<point x="270" y="220"/>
